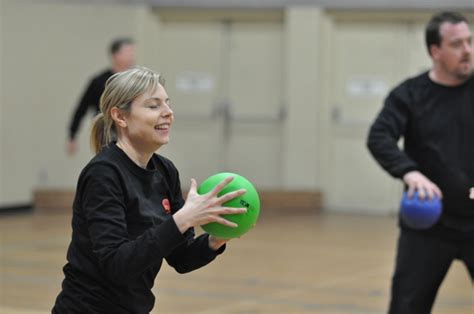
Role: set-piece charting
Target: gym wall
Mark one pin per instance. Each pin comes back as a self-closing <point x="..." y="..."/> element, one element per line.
<point x="284" y="97"/>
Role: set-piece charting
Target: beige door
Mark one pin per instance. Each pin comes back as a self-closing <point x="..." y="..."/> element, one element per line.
<point x="256" y="102"/>
<point x="225" y="81"/>
<point x="188" y="54"/>
<point x="367" y="60"/>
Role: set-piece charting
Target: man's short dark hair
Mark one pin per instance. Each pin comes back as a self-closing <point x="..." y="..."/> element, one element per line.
<point x="118" y="43"/>
<point x="432" y="33"/>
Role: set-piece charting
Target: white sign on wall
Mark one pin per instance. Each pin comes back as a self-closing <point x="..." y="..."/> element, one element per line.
<point x="366" y="86"/>
<point x="194" y="82"/>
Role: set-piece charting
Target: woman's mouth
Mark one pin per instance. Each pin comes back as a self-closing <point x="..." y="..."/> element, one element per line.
<point x="163" y="127"/>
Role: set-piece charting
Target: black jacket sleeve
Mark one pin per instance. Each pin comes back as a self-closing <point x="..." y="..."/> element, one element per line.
<point x="194" y="254"/>
<point x="385" y="132"/>
<point x="89" y="98"/>
<point x="120" y="257"/>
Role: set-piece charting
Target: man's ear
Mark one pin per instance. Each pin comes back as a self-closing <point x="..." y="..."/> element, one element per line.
<point x="118" y="116"/>
<point x="435" y="50"/>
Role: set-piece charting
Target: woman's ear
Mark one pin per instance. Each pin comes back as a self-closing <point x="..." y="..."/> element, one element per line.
<point x="118" y="116"/>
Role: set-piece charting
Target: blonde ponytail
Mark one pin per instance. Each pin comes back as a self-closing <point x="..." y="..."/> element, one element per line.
<point x="98" y="133"/>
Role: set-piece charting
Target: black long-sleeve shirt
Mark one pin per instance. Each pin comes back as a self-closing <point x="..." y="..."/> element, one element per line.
<point x="89" y="101"/>
<point x="437" y="124"/>
<point x="122" y="230"/>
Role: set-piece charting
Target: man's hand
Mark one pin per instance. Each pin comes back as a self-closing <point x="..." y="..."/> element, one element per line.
<point x="416" y="181"/>
<point x="71" y="147"/>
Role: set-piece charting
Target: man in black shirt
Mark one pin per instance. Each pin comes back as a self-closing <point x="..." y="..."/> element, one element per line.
<point x="122" y="54"/>
<point x="434" y="113"/>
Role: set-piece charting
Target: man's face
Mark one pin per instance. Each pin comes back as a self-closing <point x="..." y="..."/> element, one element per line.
<point x="454" y="54"/>
<point x="125" y="57"/>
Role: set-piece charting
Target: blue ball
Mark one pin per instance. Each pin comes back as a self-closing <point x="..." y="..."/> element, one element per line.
<point x="420" y="214"/>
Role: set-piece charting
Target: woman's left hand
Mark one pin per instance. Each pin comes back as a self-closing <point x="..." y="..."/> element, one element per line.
<point x="216" y="243"/>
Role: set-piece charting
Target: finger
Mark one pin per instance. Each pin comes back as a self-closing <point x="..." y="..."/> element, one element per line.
<point x="421" y="192"/>
<point x="229" y="210"/>
<point x="231" y="195"/>
<point x="435" y="192"/>
<point x="411" y="190"/>
<point x="430" y="192"/>
<point x="220" y="186"/>
<point x="438" y="192"/>
<point x="193" y="187"/>
<point x="225" y="222"/>
<point x="471" y="193"/>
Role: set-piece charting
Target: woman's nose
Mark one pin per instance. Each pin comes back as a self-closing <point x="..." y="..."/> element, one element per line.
<point x="167" y="110"/>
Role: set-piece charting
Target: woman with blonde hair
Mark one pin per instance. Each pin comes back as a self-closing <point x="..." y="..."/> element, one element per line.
<point x="128" y="212"/>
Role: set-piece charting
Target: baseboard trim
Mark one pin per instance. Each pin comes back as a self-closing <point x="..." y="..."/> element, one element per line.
<point x="53" y="200"/>
<point x="60" y="200"/>
<point x="16" y="208"/>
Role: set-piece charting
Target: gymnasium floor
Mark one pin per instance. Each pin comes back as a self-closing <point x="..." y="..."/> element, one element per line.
<point x="301" y="263"/>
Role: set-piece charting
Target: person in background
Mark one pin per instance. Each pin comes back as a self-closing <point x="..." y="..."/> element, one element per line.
<point x="434" y="113"/>
<point x="122" y="57"/>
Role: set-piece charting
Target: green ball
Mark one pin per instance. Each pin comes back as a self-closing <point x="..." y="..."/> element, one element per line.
<point x="250" y="200"/>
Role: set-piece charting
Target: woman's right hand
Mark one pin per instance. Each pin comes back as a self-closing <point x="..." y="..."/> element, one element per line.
<point x="202" y="209"/>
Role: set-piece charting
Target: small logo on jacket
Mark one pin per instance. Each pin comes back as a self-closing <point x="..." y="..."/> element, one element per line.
<point x="166" y="206"/>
